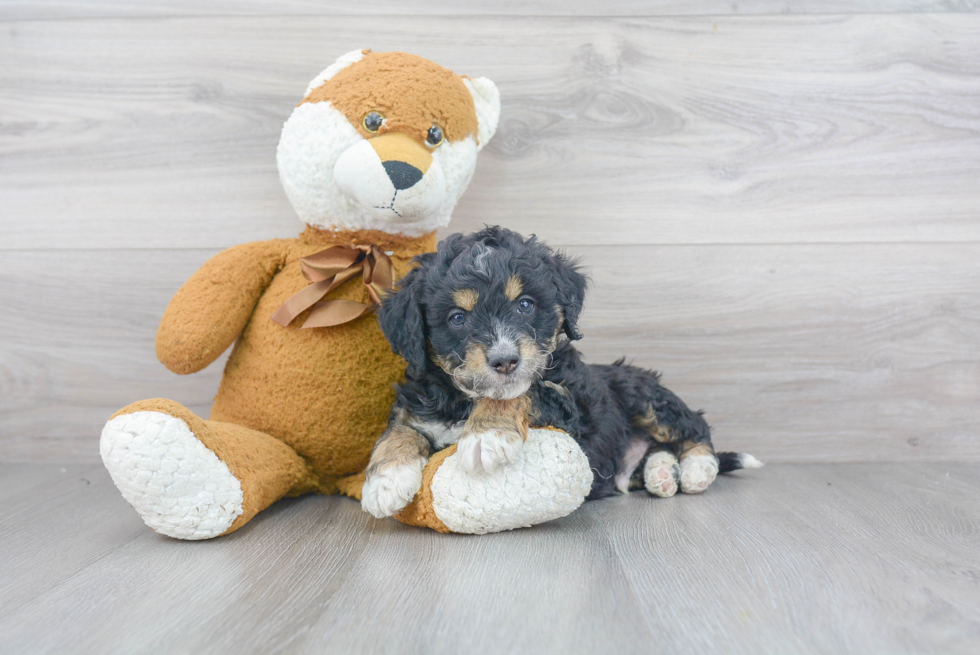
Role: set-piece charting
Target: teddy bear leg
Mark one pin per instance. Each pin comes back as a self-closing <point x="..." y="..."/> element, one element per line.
<point x="549" y="480"/>
<point x="195" y="479"/>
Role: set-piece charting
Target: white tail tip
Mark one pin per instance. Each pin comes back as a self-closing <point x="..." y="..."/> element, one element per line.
<point x="749" y="462"/>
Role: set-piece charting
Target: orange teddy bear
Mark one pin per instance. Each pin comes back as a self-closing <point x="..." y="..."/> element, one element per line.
<point x="374" y="160"/>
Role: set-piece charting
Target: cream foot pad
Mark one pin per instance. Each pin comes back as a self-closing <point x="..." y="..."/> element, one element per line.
<point x="179" y="487"/>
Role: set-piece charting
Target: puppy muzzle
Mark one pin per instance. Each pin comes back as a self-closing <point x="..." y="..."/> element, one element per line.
<point x="506" y="374"/>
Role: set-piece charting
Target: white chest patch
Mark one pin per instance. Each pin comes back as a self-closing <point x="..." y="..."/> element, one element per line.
<point x="440" y="434"/>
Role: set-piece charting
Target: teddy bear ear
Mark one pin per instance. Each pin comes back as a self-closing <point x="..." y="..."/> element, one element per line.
<point x="486" y="98"/>
<point x="342" y="62"/>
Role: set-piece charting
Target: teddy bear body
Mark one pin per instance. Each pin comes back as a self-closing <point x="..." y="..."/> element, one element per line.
<point x="324" y="392"/>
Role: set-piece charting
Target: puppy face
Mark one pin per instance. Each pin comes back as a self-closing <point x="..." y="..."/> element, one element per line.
<point x="385" y="141"/>
<point x="487" y="309"/>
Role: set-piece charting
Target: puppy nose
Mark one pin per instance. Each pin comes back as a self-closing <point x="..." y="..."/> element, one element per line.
<point x="402" y="175"/>
<point x="505" y="362"/>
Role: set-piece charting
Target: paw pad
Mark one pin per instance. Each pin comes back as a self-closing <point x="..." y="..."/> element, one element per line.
<point x="660" y="474"/>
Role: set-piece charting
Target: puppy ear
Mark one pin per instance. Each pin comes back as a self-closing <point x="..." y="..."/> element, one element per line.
<point x="571" y="286"/>
<point x="486" y="98"/>
<point x="402" y="320"/>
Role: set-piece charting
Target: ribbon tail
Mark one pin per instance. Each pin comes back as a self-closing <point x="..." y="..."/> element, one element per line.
<point x="300" y="301"/>
<point x="383" y="272"/>
<point x="328" y="313"/>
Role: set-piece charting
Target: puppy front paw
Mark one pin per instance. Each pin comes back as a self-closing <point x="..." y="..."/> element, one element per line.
<point x="489" y="450"/>
<point x="389" y="489"/>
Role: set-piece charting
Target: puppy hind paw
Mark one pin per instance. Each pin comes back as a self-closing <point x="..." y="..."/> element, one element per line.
<point x="660" y="474"/>
<point x="387" y="491"/>
<point x="698" y="472"/>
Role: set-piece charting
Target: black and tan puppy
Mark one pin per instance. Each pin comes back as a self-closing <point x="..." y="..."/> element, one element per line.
<point x="486" y="325"/>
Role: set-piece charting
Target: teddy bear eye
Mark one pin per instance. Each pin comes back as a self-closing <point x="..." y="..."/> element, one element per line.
<point x="457" y="319"/>
<point x="373" y="121"/>
<point x="435" y="136"/>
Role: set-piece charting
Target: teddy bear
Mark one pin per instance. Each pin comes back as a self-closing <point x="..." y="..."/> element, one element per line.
<point x="373" y="160"/>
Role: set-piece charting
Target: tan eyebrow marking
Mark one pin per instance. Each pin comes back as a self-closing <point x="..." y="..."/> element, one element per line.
<point x="466" y="298"/>
<point x="514" y="287"/>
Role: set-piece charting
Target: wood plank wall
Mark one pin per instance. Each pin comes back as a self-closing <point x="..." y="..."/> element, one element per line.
<point x="779" y="202"/>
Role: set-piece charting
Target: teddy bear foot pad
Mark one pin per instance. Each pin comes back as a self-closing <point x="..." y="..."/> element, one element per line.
<point x="178" y="486"/>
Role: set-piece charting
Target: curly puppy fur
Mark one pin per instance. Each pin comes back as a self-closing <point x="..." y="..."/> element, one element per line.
<point x="486" y="325"/>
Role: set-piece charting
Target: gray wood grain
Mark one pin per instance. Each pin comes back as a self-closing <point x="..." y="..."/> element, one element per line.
<point x="850" y="352"/>
<point x="50" y="533"/>
<point x="60" y="9"/>
<point x="16" y="479"/>
<point x="797" y="558"/>
<point x="760" y="129"/>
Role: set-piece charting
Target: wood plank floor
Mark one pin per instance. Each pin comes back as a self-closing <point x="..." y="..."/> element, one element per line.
<point x="855" y="558"/>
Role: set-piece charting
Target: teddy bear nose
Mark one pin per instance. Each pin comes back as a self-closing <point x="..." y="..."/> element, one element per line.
<point x="402" y="175"/>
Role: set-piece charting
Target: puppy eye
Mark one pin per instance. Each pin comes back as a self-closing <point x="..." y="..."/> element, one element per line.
<point x="457" y="319"/>
<point x="525" y="306"/>
<point x="435" y="136"/>
<point x="373" y="121"/>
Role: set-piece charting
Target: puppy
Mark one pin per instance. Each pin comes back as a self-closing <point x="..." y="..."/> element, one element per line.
<point x="486" y="325"/>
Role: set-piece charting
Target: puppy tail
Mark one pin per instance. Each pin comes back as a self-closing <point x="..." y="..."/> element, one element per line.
<point x="734" y="461"/>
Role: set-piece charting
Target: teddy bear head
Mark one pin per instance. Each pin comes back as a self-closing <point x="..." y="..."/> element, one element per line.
<point x="385" y="141"/>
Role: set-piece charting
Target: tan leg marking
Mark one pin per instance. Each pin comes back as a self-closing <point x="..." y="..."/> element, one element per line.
<point x="503" y="415"/>
<point x="394" y="474"/>
<point x="494" y="434"/>
<point x="648" y="421"/>
<point x="692" y="448"/>
<point x="399" y="445"/>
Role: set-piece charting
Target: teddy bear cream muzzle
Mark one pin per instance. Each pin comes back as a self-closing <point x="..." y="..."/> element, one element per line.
<point x="392" y="177"/>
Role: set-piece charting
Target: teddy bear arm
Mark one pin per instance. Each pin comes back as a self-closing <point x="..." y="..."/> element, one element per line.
<point x="211" y="309"/>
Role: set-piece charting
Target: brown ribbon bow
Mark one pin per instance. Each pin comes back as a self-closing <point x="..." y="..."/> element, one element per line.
<point x="327" y="270"/>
